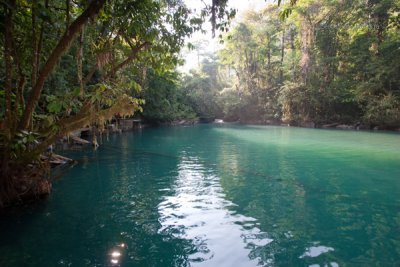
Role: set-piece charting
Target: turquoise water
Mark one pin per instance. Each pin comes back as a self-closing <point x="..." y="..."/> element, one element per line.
<point x="218" y="195"/>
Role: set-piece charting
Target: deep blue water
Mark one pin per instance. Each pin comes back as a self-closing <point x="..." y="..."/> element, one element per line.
<point x="218" y="195"/>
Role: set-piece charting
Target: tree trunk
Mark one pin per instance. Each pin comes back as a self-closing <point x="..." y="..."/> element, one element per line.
<point x="8" y="53"/>
<point x="307" y="43"/>
<point x="34" y="44"/>
<point x="5" y="180"/>
<point x="293" y="48"/>
<point x="282" y="55"/>
<point x="19" y="95"/>
<point x="67" y="16"/>
<point x="269" y="53"/>
<point x="79" y="58"/>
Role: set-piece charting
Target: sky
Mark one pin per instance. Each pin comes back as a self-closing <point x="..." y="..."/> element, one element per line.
<point x="238" y="4"/>
<point x="213" y="45"/>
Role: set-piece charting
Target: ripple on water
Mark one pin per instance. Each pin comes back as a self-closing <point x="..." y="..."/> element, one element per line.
<point x="198" y="211"/>
<point x="315" y="251"/>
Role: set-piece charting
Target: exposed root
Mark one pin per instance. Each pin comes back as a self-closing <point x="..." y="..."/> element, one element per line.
<point x="25" y="183"/>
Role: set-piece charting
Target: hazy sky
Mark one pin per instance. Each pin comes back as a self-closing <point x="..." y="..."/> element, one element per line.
<point x="240" y="5"/>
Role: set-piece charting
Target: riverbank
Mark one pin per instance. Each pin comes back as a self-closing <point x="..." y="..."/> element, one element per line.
<point x="333" y="125"/>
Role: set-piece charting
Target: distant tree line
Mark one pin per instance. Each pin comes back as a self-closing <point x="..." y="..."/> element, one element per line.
<point x="322" y="62"/>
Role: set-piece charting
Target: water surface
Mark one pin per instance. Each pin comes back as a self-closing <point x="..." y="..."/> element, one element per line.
<point x="218" y="195"/>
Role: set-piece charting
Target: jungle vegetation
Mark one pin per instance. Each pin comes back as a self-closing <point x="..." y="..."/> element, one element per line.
<point x="312" y="64"/>
<point x="69" y="64"/>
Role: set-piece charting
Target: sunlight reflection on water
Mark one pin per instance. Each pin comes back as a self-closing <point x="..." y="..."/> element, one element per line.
<point x="199" y="212"/>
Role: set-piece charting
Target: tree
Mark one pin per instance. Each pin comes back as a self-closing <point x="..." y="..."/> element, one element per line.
<point x="165" y="100"/>
<point x="201" y="89"/>
<point x="88" y="49"/>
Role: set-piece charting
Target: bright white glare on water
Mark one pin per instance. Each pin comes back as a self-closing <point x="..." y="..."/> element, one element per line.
<point x="199" y="212"/>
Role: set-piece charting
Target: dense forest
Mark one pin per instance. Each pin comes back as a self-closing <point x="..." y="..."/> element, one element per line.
<point x="70" y="64"/>
<point x="317" y="63"/>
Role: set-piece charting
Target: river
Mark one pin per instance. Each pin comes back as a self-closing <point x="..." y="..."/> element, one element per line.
<point x="218" y="195"/>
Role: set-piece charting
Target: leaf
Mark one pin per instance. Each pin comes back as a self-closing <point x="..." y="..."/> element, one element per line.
<point x="54" y="107"/>
<point x="77" y="91"/>
<point x="285" y="13"/>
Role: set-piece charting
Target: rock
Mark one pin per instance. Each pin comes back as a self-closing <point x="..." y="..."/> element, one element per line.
<point x="363" y="127"/>
<point x="330" y="125"/>
<point x="345" y="127"/>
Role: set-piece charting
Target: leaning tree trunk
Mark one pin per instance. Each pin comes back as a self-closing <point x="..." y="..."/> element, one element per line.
<point x="5" y="180"/>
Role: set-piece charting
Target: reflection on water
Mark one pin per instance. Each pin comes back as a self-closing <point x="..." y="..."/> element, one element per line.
<point x="199" y="212"/>
<point x="316" y="251"/>
<point x="115" y="255"/>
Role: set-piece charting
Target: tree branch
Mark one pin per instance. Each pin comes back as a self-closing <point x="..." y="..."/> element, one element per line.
<point x="87" y="115"/>
<point x="79" y="58"/>
<point x="131" y="57"/>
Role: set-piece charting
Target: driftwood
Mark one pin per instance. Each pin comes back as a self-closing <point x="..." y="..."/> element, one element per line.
<point x="56" y="159"/>
<point x="79" y="140"/>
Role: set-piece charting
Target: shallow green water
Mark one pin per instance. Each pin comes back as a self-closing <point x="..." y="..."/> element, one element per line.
<point x="218" y="195"/>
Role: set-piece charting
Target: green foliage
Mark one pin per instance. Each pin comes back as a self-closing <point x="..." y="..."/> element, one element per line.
<point x="165" y="101"/>
<point x="24" y="141"/>
<point x="202" y="89"/>
<point x="383" y="110"/>
<point x="336" y="61"/>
